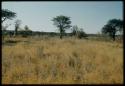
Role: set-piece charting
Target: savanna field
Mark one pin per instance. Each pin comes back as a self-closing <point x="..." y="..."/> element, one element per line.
<point x="61" y="61"/>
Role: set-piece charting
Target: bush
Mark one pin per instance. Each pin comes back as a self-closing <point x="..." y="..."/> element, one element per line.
<point x="81" y="34"/>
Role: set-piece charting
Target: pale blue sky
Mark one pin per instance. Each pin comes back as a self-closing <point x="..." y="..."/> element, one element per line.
<point x="91" y="16"/>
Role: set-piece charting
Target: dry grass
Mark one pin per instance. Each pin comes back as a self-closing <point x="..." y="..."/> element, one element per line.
<point x="48" y="61"/>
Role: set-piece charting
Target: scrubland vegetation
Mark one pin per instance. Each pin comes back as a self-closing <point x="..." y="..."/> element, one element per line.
<point x="46" y="60"/>
<point x="30" y="57"/>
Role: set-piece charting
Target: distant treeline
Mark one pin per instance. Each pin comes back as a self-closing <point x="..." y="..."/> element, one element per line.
<point x="38" y="33"/>
<point x="62" y="23"/>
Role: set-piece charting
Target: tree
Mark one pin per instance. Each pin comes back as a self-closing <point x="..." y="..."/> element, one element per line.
<point x="6" y="14"/>
<point x="17" y="25"/>
<point x="112" y="27"/>
<point x="27" y="31"/>
<point x="26" y="28"/>
<point x="81" y="33"/>
<point x="4" y="30"/>
<point x="78" y="32"/>
<point x="75" y="30"/>
<point x="63" y="23"/>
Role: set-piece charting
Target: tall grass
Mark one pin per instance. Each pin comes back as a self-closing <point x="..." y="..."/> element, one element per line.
<point x="46" y="61"/>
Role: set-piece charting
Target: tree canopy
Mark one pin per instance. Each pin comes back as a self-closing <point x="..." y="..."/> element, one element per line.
<point x="7" y="14"/>
<point x="112" y="26"/>
<point x="62" y="22"/>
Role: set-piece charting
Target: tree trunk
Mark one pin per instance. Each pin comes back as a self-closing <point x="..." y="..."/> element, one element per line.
<point x="113" y="33"/>
<point x="113" y="37"/>
<point x="60" y="35"/>
<point x="15" y="31"/>
<point x="4" y="19"/>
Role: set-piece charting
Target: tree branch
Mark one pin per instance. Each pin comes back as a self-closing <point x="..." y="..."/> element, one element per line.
<point x="4" y="19"/>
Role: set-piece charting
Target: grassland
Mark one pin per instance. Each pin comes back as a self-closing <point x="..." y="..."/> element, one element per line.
<point x="56" y="61"/>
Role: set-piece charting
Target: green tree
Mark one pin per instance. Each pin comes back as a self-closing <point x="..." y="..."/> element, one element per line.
<point x="63" y="23"/>
<point x="112" y="27"/>
<point x="17" y="25"/>
<point x="7" y="14"/>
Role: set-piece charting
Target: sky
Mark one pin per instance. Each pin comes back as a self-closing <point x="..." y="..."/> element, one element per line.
<point x="91" y="16"/>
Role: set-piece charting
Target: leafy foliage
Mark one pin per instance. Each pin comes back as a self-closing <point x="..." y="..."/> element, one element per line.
<point x="7" y="14"/>
<point x="62" y="22"/>
<point x="112" y="27"/>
